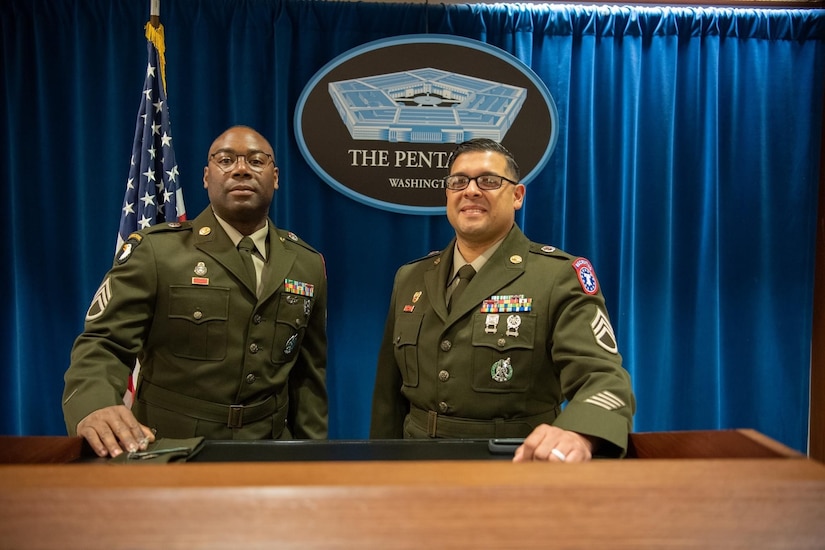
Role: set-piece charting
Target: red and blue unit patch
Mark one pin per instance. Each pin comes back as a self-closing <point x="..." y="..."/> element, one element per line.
<point x="587" y="275"/>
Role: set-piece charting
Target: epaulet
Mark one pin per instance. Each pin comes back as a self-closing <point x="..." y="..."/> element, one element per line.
<point x="164" y="227"/>
<point x="289" y="236"/>
<point x="430" y="255"/>
<point x="547" y="250"/>
<point x="134" y="239"/>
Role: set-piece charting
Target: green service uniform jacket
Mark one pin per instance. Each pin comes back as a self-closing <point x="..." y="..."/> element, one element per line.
<point x="215" y="360"/>
<point x="529" y="332"/>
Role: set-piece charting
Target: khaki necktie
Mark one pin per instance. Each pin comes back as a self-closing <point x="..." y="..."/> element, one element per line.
<point x="465" y="273"/>
<point x="245" y="248"/>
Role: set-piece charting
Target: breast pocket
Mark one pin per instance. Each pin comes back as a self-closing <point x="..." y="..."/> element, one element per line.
<point x="198" y="322"/>
<point x="503" y="352"/>
<point x="405" y="339"/>
<point x="290" y="325"/>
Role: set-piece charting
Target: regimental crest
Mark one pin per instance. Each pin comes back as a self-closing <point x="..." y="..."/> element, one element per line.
<point x="603" y="332"/>
<point x="100" y="301"/>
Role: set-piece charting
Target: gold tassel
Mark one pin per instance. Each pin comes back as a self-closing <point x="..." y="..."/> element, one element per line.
<point x="156" y="37"/>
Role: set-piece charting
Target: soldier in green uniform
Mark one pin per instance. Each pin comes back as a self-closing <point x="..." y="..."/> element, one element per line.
<point x="495" y="350"/>
<point x="231" y="342"/>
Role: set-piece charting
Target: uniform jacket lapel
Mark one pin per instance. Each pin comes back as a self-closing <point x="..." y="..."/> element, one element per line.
<point x="279" y="262"/>
<point x="505" y="265"/>
<point x="435" y="280"/>
<point x="213" y="240"/>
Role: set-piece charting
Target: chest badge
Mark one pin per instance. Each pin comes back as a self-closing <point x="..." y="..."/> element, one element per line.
<point x="502" y="370"/>
<point x="513" y="323"/>
<point x="491" y="323"/>
<point x="289" y="347"/>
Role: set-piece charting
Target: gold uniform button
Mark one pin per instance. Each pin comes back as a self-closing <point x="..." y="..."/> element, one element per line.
<point x="443" y="376"/>
<point x="198" y="315"/>
<point x="446" y="345"/>
<point x="253" y="347"/>
<point x="443" y="407"/>
<point x="250" y="378"/>
<point x="501" y="342"/>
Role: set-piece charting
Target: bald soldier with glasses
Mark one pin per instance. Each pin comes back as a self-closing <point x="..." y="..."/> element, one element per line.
<point x="225" y="313"/>
<point x="500" y="337"/>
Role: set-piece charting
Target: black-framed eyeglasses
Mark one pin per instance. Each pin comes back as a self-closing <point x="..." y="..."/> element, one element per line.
<point x="228" y="160"/>
<point x="487" y="182"/>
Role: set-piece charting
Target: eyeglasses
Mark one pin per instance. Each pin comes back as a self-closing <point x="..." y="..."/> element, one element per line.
<point x="228" y="160"/>
<point x="487" y="182"/>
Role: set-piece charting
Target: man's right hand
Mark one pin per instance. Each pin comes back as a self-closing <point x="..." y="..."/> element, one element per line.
<point x="113" y="430"/>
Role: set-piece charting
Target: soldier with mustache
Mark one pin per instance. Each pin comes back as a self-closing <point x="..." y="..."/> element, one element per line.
<point x="500" y="337"/>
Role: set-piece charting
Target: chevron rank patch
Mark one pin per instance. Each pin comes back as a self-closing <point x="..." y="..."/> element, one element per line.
<point x="605" y="400"/>
<point x="603" y="331"/>
<point x="100" y="301"/>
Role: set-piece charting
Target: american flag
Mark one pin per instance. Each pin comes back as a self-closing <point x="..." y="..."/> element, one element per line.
<point x="153" y="191"/>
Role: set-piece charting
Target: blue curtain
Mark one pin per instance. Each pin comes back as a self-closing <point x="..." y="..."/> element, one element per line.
<point x="686" y="170"/>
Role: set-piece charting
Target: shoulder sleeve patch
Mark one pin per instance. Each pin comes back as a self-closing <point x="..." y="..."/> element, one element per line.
<point x="127" y="248"/>
<point x="586" y="275"/>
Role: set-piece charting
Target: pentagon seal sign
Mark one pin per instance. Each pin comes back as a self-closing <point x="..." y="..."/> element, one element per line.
<point x="378" y="122"/>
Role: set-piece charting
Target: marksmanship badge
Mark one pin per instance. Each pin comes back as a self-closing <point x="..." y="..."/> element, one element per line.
<point x="501" y="370"/>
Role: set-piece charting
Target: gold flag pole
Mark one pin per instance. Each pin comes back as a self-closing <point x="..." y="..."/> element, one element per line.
<point x="154" y="13"/>
<point x="154" y="33"/>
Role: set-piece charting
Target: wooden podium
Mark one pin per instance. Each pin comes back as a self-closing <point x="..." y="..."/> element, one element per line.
<point x="704" y="489"/>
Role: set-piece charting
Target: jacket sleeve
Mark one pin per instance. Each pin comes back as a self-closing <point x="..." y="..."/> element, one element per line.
<point x="600" y="401"/>
<point x="389" y="407"/>
<point x="103" y="356"/>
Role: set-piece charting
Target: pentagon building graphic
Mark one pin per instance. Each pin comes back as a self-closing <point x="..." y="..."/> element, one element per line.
<point x="426" y="106"/>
